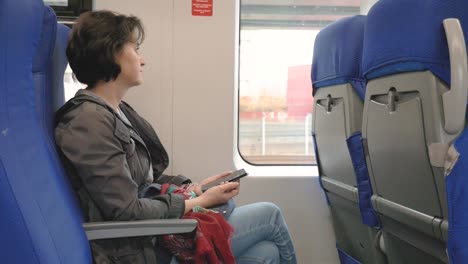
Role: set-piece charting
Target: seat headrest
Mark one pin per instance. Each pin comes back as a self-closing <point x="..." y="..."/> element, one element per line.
<point x="59" y="65"/>
<point x="337" y="54"/>
<point x="408" y="35"/>
<point x="23" y="38"/>
<point x="43" y="223"/>
<point x="46" y="43"/>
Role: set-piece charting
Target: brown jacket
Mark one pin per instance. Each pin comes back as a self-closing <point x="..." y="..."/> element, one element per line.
<point x="107" y="161"/>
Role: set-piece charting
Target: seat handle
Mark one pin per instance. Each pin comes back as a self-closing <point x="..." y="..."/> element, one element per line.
<point x="455" y="100"/>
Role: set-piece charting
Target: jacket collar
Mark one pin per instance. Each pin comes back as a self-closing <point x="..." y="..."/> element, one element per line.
<point x="85" y="95"/>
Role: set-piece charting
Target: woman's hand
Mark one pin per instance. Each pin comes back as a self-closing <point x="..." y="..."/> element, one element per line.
<point x="198" y="188"/>
<point x="219" y="194"/>
<point x="214" y="196"/>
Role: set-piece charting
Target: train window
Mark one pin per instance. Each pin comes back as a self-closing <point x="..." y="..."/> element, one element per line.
<point x="68" y="10"/>
<point x="56" y="2"/>
<point x="70" y="84"/>
<point x="275" y="97"/>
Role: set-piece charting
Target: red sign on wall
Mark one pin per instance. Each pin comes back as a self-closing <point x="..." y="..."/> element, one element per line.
<point x="202" y="7"/>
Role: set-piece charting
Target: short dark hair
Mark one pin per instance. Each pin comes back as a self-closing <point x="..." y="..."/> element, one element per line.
<point x="95" y="39"/>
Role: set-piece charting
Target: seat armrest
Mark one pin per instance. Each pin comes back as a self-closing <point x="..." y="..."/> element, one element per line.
<point x="104" y="230"/>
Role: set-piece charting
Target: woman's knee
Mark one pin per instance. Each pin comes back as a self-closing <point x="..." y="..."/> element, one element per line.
<point x="270" y="208"/>
<point x="265" y="252"/>
<point x="256" y="210"/>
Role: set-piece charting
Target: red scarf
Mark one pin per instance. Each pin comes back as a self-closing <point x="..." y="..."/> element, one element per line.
<point x="210" y="243"/>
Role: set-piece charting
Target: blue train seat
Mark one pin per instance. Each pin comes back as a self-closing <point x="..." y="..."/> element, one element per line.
<point x="456" y="166"/>
<point x="59" y="65"/>
<point x="414" y="108"/>
<point x="41" y="221"/>
<point x="338" y="94"/>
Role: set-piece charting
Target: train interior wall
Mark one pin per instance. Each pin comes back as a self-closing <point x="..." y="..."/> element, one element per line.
<point x="189" y="95"/>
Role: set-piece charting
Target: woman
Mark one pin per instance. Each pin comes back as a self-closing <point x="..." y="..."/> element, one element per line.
<point x="111" y="153"/>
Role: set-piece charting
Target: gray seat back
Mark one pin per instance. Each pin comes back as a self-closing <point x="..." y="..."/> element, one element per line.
<point x="337" y="115"/>
<point x="337" y="108"/>
<point x="402" y="123"/>
<point x="414" y="108"/>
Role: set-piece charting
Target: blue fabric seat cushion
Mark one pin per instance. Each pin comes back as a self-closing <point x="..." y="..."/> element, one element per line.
<point x="405" y="36"/>
<point x="338" y="53"/>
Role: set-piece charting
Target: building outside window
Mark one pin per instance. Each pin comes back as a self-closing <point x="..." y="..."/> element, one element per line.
<point x="275" y="92"/>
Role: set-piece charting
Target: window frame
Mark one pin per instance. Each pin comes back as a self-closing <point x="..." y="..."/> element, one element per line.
<point x="269" y="168"/>
<point x="73" y="10"/>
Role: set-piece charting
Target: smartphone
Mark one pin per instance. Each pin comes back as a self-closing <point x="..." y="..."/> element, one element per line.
<point x="231" y="177"/>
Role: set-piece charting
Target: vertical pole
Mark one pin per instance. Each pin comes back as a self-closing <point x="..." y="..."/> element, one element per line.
<point x="306" y="132"/>
<point x="263" y="134"/>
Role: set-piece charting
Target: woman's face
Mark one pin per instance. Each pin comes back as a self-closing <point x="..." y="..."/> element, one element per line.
<point x="131" y="64"/>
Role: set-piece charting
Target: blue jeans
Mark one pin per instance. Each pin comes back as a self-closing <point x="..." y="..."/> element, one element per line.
<point x="260" y="235"/>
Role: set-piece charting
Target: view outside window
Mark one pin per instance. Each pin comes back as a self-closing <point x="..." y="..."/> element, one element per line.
<point x="71" y="86"/>
<point x="275" y="92"/>
<point x="56" y="2"/>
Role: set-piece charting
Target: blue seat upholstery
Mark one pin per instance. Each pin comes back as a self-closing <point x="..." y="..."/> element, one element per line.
<point x="407" y="65"/>
<point x="409" y="38"/>
<point x="40" y="221"/>
<point x="339" y="90"/>
<point x="457" y="184"/>
<point x="338" y="53"/>
<point x="59" y="65"/>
